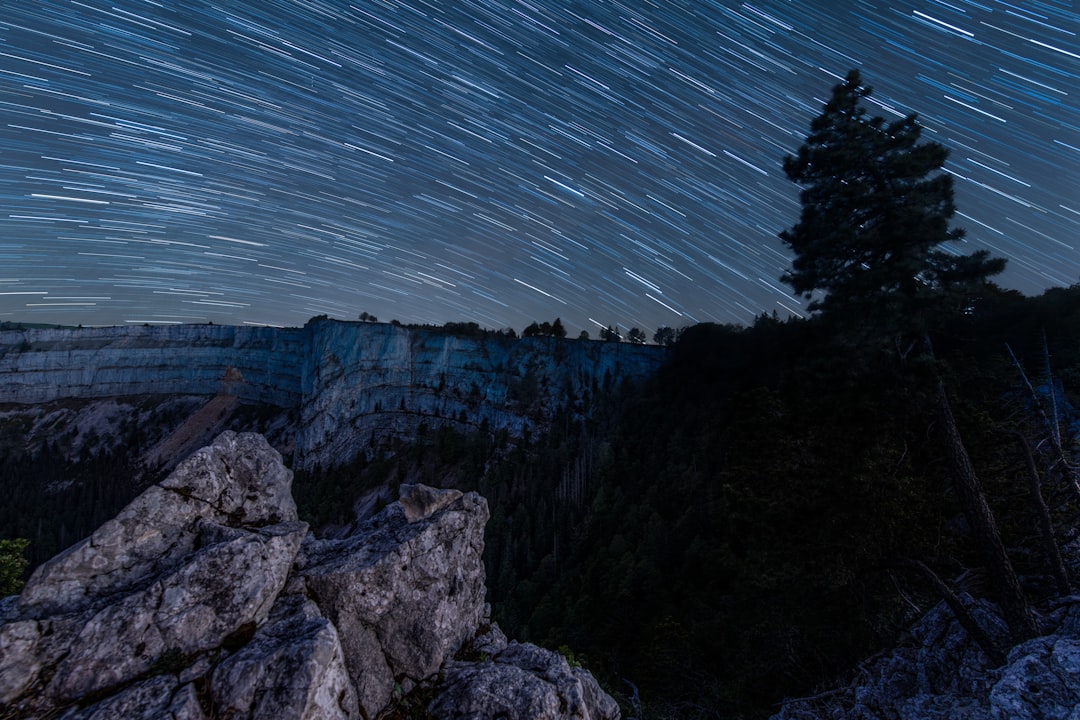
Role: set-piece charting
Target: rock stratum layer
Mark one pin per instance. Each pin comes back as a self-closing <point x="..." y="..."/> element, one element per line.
<point x="207" y="598"/>
<point x="352" y="384"/>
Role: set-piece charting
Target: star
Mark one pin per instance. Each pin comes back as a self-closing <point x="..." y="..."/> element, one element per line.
<point x="500" y="162"/>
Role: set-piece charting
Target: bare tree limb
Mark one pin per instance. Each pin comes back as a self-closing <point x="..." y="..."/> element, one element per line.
<point x="1046" y="525"/>
<point x="1068" y="471"/>
<point x="963" y="616"/>
<point x="1010" y="595"/>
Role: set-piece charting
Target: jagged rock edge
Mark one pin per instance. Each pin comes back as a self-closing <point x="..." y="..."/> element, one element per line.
<point x="193" y="679"/>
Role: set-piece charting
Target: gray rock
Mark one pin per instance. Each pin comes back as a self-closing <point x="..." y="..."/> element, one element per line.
<point x="160" y="698"/>
<point x="347" y="381"/>
<point x="405" y="596"/>
<point x="420" y="501"/>
<point x="205" y="597"/>
<point x="186" y="566"/>
<point x="523" y="682"/>
<point x="19" y="661"/>
<point x="1040" y="682"/>
<point x="114" y="362"/>
<point x="221" y="590"/>
<point x="239" y="480"/>
<point x="600" y="705"/>
<point x="358" y="378"/>
<point x="293" y="669"/>
<point x="490" y="640"/>
<point x="940" y="674"/>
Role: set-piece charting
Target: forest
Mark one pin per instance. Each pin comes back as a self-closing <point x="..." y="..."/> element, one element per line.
<point x="727" y="534"/>
<point x="782" y="499"/>
<point x="738" y="529"/>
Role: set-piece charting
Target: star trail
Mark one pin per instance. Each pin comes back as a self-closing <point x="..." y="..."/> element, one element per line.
<point x="496" y="161"/>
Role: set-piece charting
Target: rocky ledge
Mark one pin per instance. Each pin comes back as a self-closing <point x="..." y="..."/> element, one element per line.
<point x="207" y="598"/>
<point x="938" y="672"/>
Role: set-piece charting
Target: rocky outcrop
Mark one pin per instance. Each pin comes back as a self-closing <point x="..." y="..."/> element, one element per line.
<point x="405" y="586"/>
<point x="521" y="682"/>
<point x="294" y="667"/>
<point x="351" y="384"/>
<point x="206" y="597"/>
<point x="939" y="673"/>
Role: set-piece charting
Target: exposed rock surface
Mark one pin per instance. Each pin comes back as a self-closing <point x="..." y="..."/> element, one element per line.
<point x="376" y="380"/>
<point x="232" y="482"/>
<point x="293" y="667"/>
<point x="521" y="682"/>
<point x="410" y="585"/>
<point x="938" y="673"/>
<point x="253" y="362"/>
<point x="350" y="383"/>
<point x="205" y="597"/>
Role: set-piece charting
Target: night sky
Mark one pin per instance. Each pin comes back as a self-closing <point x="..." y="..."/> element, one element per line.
<point x="493" y="161"/>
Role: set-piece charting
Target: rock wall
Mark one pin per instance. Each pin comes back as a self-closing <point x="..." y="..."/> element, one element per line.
<point x="207" y="598"/>
<point x="256" y="364"/>
<point x="352" y="383"/>
<point x="375" y="381"/>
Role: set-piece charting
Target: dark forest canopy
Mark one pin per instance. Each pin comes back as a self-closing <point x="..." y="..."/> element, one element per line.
<point x="721" y="537"/>
<point x="727" y="534"/>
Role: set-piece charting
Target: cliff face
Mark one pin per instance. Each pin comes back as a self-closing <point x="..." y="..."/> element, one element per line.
<point x="364" y="382"/>
<point x="352" y="383"/>
<point x="206" y="598"/>
<point x="256" y="364"/>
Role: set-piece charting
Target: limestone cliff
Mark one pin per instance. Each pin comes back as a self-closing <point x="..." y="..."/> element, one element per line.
<point x="347" y="384"/>
<point x="261" y="364"/>
<point x="374" y="381"/>
<point x="205" y="597"/>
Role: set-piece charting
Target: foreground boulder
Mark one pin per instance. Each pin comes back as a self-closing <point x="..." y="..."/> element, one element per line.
<point x="521" y="682"/>
<point x="406" y="590"/>
<point x="207" y="598"/>
<point x="293" y="667"/>
<point x="939" y="673"/>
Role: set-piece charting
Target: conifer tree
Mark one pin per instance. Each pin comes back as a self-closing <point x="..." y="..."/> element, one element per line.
<point x="875" y="211"/>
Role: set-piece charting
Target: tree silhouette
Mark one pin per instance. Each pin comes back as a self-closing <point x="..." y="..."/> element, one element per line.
<point x="546" y="329"/>
<point x="664" y="335"/>
<point x="875" y="210"/>
<point x="610" y="334"/>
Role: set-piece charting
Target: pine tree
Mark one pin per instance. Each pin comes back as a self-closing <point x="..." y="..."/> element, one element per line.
<point x="875" y="210"/>
<point x="610" y="334"/>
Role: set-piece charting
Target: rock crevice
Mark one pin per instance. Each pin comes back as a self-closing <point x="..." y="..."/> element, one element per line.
<point x="207" y="597"/>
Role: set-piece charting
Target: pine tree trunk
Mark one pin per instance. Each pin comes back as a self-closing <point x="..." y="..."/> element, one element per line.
<point x="1010" y="595"/>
